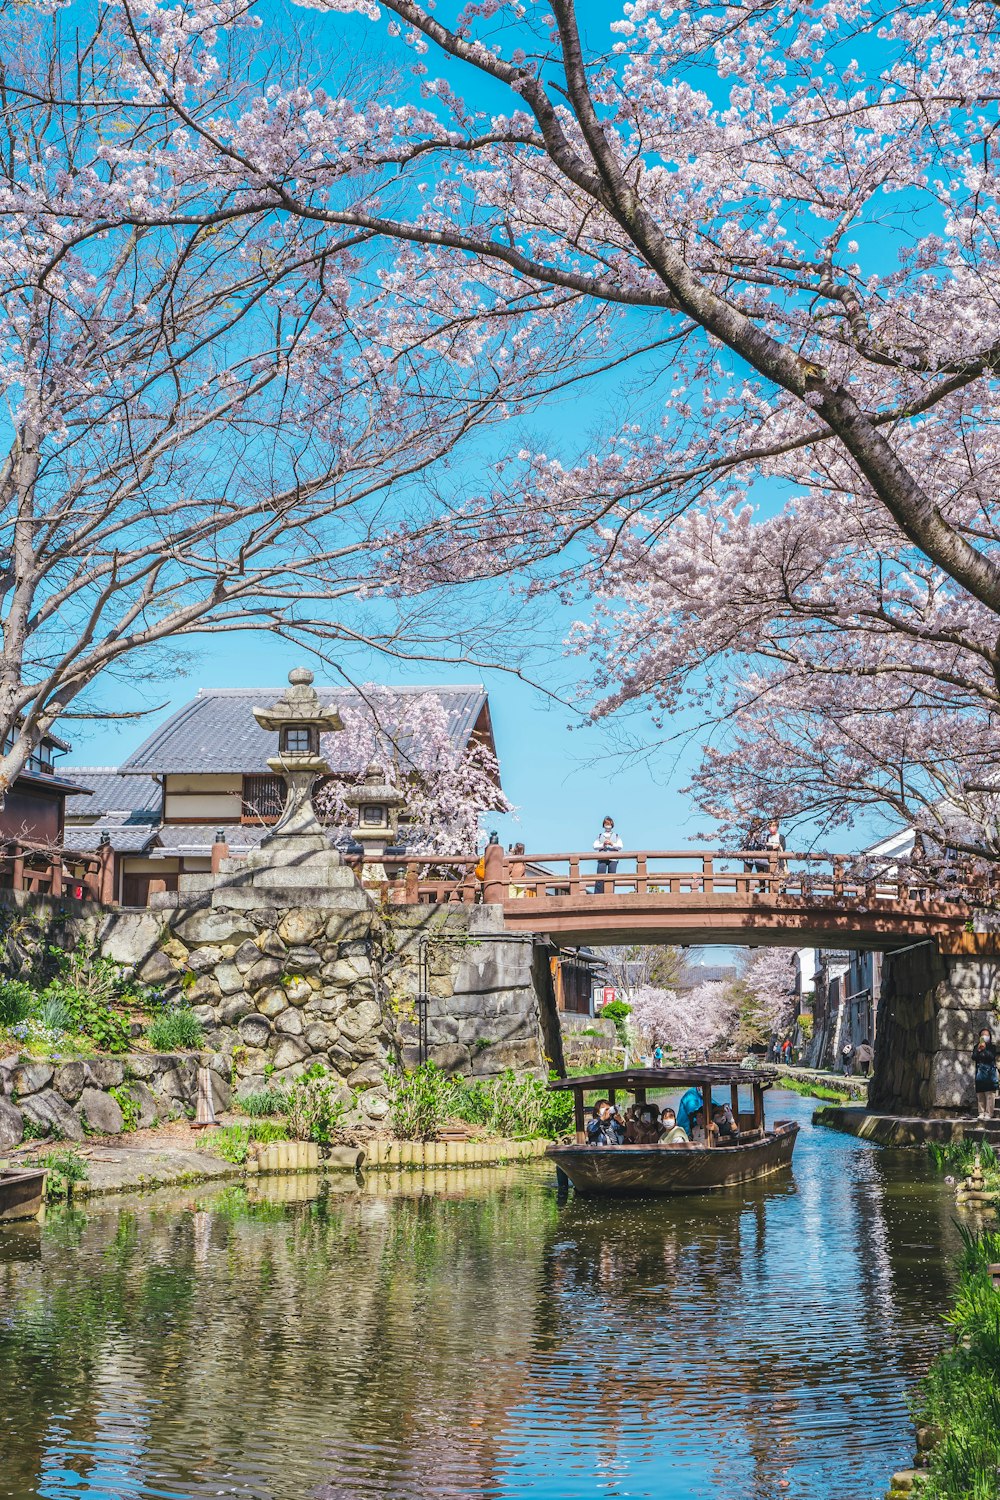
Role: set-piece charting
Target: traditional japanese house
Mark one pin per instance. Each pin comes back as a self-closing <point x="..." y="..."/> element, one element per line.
<point x="205" y="770"/>
<point x="34" y="808"/>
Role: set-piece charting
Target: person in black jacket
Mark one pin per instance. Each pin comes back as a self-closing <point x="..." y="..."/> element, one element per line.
<point x="984" y="1061"/>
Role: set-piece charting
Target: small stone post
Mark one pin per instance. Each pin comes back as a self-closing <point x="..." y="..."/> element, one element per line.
<point x="220" y="850"/>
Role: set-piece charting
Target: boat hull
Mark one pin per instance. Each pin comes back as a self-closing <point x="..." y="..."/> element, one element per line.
<point x="637" y="1171"/>
<point x="21" y="1195"/>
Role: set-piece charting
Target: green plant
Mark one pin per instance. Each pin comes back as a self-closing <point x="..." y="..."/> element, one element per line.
<point x="315" y="1106"/>
<point x="960" y="1395"/>
<point x="177" y="1030"/>
<point x="260" y="1102"/>
<point x="959" y="1157"/>
<point x="618" y="1012"/>
<point x="129" y="1105"/>
<point x="65" y="1169"/>
<point x="16" y="998"/>
<point x="89" y="1014"/>
<point x="420" y="1101"/>
<point x="232" y="1142"/>
<point x="506" y="1105"/>
<point x="34" y="1130"/>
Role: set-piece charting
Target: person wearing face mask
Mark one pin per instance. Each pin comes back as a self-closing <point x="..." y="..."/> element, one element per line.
<point x="984" y="1061"/>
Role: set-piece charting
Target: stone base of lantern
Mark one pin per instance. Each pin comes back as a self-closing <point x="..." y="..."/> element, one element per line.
<point x="292" y="871"/>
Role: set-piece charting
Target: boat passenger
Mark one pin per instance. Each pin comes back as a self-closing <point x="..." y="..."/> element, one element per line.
<point x="729" y="1131"/>
<point x="644" y="1128"/>
<point x="607" y="1127"/>
<point x="671" y="1133"/>
<point x="688" y="1108"/>
<point x="698" y="1129"/>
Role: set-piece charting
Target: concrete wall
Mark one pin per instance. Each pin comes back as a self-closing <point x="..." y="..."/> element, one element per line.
<point x="930" y="1012"/>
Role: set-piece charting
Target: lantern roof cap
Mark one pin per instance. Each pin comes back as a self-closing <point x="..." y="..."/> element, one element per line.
<point x="299" y="705"/>
<point x="373" y="787"/>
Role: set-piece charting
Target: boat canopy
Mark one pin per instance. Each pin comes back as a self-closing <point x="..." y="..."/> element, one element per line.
<point x="668" y="1078"/>
<point x="704" y="1079"/>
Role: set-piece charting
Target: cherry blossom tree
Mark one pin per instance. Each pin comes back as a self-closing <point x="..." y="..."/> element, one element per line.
<point x="764" y="993"/>
<point x="217" y="416"/>
<point x="692" y="1020"/>
<point x="448" y="787"/>
<point x="787" y="215"/>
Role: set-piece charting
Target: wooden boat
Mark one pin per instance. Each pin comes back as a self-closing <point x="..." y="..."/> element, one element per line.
<point x="21" y="1194"/>
<point x="632" y="1171"/>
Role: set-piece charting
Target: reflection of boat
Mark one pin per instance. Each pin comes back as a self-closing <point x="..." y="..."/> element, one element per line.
<point x="21" y="1194"/>
<point x="688" y="1168"/>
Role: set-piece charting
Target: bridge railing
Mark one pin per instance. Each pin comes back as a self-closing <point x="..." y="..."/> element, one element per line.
<point x="45" y="869"/>
<point x="688" y="873"/>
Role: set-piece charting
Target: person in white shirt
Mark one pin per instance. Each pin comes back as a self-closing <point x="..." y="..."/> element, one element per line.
<point x="609" y="842"/>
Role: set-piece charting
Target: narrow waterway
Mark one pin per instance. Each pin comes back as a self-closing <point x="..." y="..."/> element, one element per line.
<point x="479" y="1340"/>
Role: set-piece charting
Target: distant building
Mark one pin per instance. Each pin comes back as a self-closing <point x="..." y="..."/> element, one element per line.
<point x="206" y="769"/>
<point x="34" y="807"/>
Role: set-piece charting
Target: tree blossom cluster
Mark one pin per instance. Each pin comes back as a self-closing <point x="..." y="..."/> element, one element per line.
<point x="778" y="226"/>
<point x="447" y="786"/>
<point x="694" y="1020"/>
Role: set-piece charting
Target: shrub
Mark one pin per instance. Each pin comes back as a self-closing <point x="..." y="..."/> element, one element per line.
<point x="65" y="1170"/>
<point x="177" y="1030"/>
<point x="232" y="1142"/>
<point x="260" y="1102"/>
<point x="314" y="1108"/>
<point x="90" y="1015"/>
<point x="507" y="1105"/>
<point x="618" y="1012"/>
<point x="420" y="1102"/>
<point x="53" y="1013"/>
<point x="16" y="999"/>
<point x="129" y="1106"/>
<point x="959" y="1157"/>
<point x="960" y="1393"/>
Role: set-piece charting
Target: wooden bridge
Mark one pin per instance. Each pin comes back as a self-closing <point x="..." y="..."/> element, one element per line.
<point x="694" y="897"/>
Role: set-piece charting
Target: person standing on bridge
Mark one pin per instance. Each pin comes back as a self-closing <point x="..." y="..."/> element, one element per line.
<point x="984" y="1061"/>
<point x="609" y="842"/>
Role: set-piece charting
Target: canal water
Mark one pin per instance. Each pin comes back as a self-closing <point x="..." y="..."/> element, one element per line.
<point x="471" y="1336"/>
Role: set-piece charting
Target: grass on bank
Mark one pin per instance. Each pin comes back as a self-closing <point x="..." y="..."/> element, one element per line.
<point x="959" y="1159"/>
<point x="961" y="1392"/>
<point x="812" y="1090"/>
<point x="504" y="1105"/>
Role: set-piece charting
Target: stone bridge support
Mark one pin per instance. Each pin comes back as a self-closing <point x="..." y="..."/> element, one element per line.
<point x="931" y="1009"/>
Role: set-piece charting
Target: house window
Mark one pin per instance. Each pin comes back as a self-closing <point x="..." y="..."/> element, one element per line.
<point x="299" y="741"/>
<point x="263" y="799"/>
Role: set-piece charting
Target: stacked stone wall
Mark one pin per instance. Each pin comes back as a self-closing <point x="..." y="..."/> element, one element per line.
<point x="70" y="1099"/>
<point x="279" y="988"/>
<point x="930" y="1012"/>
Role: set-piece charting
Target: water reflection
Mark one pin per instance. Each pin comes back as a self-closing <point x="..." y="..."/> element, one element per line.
<point x="425" y="1339"/>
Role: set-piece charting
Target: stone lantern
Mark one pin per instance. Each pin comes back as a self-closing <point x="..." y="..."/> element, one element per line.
<point x="378" y="805"/>
<point x="299" y="719"/>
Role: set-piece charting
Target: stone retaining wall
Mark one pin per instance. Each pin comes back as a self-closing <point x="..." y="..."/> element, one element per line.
<point x="70" y="1099"/>
<point x="279" y="987"/>
<point x="930" y="1012"/>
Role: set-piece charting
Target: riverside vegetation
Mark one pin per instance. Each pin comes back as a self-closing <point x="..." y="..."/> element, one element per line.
<point x="958" y="1402"/>
<point x="506" y="1105"/>
<point x="67" y="1004"/>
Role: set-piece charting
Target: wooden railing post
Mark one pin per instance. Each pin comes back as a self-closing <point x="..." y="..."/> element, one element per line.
<point x="574" y="876"/>
<point x="708" y="874"/>
<point x="55" y="875"/>
<point x="411" y="886"/>
<point x="494" y="884"/>
<point x="838" y="875"/>
<point x="105" y="872"/>
<point x="220" y="850"/>
<point x="17" y="876"/>
<point x="641" y="880"/>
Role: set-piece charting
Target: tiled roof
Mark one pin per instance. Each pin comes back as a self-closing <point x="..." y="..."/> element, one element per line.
<point x="111" y="792"/>
<point x="196" y="839"/>
<point x="125" y="838"/>
<point x="217" y="732"/>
